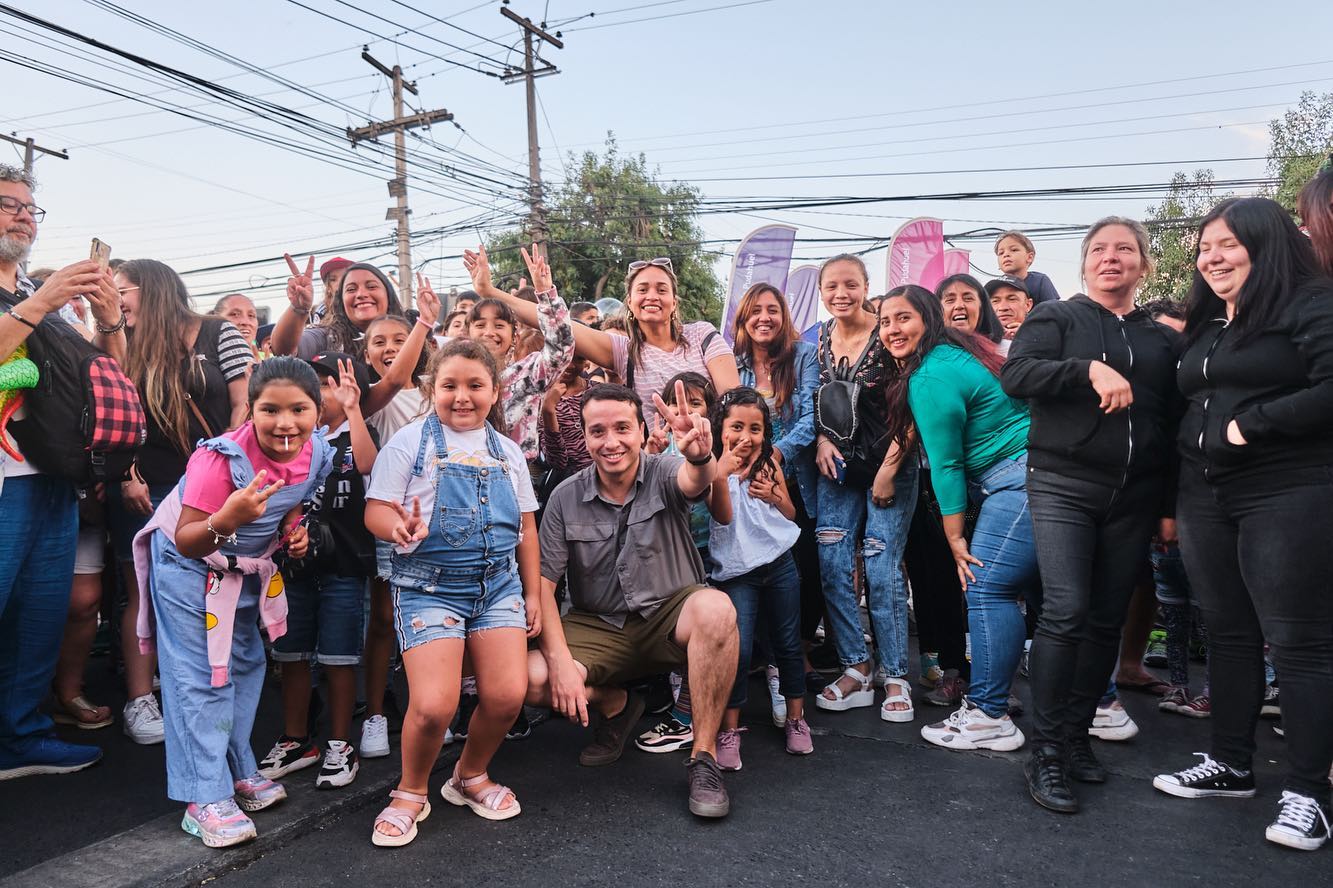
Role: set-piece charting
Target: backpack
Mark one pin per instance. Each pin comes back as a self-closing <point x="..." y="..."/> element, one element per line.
<point x="84" y="420"/>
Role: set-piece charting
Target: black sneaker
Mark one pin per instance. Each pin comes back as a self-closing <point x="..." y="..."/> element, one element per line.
<point x="1301" y="823"/>
<point x="610" y="734"/>
<point x="287" y="755"/>
<point x="1083" y="764"/>
<point x="1048" y="781"/>
<point x="339" y="767"/>
<point x="1208" y="778"/>
<point x="467" y="705"/>
<point x="667" y="736"/>
<point x="521" y="727"/>
<point x="657" y="695"/>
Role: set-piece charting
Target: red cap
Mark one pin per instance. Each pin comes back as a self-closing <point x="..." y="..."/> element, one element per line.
<point x="337" y="263"/>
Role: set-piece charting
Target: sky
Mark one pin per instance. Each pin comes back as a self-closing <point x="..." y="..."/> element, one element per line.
<point x="742" y="98"/>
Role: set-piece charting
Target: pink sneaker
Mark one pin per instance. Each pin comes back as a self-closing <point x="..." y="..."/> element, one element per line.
<point x="219" y="824"/>
<point x="799" y="741"/>
<point x="729" y="750"/>
<point x="257" y="792"/>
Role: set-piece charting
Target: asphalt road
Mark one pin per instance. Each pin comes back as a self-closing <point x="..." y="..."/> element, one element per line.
<point x="874" y="805"/>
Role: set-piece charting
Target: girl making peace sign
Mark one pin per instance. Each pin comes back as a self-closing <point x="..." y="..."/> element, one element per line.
<point x="205" y="561"/>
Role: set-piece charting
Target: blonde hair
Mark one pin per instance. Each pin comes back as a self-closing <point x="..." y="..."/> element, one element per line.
<point x="1140" y="237"/>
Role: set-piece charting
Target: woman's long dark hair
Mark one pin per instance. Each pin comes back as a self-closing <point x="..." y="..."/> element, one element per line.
<point x="744" y="396"/>
<point x="1281" y="260"/>
<point x="936" y="332"/>
<point x="781" y="353"/>
<point x="988" y="323"/>
<point x="1316" y="209"/>
<point x="345" y="336"/>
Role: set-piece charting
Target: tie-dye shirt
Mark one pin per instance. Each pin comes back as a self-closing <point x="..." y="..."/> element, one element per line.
<point x="524" y="382"/>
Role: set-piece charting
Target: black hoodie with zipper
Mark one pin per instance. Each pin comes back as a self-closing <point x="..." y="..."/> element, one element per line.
<point x="1277" y="386"/>
<point x="1070" y="434"/>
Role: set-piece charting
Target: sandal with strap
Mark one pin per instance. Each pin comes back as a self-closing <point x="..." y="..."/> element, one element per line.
<point x="863" y="696"/>
<point x="401" y="819"/>
<point x="487" y="804"/>
<point x="897" y="690"/>
<point x="81" y="713"/>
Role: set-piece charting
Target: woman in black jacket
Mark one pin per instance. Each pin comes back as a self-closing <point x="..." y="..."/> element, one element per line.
<point x="1256" y="451"/>
<point x="1099" y="376"/>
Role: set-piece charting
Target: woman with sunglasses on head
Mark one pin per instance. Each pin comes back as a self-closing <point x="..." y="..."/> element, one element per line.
<point x="658" y="345"/>
<point x="772" y="359"/>
<point x="1256" y="479"/>
<point x="1099" y="378"/>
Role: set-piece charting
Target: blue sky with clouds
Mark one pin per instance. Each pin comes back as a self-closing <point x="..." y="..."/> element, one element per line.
<point x="864" y="99"/>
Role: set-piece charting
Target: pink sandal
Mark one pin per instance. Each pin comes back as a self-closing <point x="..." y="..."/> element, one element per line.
<point x="487" y="804"/>
<point x="401" y="819"/>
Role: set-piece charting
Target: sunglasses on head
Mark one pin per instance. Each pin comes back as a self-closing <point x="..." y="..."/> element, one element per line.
<point x="660" y="262"/>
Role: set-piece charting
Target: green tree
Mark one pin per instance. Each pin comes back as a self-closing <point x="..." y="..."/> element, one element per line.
<point x="1301" y="141"/>
<point x="612" y="210"/>
<point x="1171" y="233"/>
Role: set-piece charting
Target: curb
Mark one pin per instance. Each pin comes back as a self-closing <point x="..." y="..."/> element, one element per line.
<point x="158" y="854"/>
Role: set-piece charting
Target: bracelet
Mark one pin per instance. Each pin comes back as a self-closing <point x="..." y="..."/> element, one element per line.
<point x="21" y="319"/>
<point x="422" y="322"/>
<point x="114" y="328"/>
<point x="218" y="538"/>
<point x="702" y="462"/>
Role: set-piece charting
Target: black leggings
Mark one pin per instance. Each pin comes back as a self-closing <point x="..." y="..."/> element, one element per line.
<point x="937" y="597"/>
<point x="1254" y="549"/>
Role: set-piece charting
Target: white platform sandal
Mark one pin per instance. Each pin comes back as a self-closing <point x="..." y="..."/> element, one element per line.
<point x="863" y="696"/>
<point x="897" y="690"/>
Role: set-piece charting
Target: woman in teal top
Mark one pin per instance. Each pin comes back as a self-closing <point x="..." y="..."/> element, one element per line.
<point x="976" y="439"/>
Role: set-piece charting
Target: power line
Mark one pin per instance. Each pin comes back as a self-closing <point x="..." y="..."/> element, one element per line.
<point x="670" y="15"/>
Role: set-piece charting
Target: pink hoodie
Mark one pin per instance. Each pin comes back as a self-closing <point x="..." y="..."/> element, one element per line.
<point x="222" y="590"/>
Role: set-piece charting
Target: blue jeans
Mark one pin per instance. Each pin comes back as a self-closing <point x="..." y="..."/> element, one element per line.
<point x="39" y="527"/>
<point x="325" y="621"/>
<point x="848" y="517"/>
<point x="207" y="729"/>
<point x="1002" y="542"/>
<point x="775" y="591"/>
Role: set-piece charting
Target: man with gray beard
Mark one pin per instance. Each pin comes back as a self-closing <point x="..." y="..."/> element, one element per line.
<point x="39" y="519"/>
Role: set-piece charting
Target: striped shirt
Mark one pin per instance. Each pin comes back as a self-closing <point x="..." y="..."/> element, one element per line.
<point x="234" y="354"/>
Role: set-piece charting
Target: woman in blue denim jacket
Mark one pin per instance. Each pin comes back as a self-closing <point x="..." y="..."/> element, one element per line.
<point x="772" y="359"/>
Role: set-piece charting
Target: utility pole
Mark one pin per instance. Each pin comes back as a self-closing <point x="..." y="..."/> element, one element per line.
<point x="529" y="73"/>
<point x="30" y="149"/>
<point x="399" y="126"/>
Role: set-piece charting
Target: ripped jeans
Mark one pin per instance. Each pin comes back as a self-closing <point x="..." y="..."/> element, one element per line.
<point x="847" y="518"/>
<point x="431" y="602"/>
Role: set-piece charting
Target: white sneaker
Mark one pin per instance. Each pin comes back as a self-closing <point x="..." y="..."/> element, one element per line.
<point x="339" y="767"/>
<point x="142" y="720"/>
<point x="375" y="737"/>
<point x="1113" y="723"/>
<point x="777" y="703"/>
<point x="970" y="728"/>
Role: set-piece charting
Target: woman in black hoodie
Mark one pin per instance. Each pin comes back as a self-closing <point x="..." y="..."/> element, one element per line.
<point x="1099" y="376"/>
<point x="1256" y="480"/>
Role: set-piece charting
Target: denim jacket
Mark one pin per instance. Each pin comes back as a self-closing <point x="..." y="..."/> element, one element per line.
<point x="794" y="428"/>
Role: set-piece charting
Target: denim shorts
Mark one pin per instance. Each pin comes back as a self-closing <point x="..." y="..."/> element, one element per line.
<point x="325" y="621"/>
<point x="430" y="602"/>
<point x="383" y="559"/>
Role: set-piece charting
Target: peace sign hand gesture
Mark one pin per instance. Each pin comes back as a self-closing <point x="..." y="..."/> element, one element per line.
<point x="247" y="504"/>
<point x="657" y="438"/>
<point x="300" y="287"/>
<point x="538" y="269"/>
<point x="732" y="460"/>
<point x="411" y="527"/>
<point x="479" y="269"/>
<point x="346" y="392"/>
<point x="428" y="304"/>
<point x="693" y="434"/>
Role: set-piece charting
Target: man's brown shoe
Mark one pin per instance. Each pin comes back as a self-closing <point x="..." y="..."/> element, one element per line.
<point x="610" y="734"/>
<point x="708" y="794"/>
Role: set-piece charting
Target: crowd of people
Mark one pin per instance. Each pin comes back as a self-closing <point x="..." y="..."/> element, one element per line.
<point x="605" y="509"/>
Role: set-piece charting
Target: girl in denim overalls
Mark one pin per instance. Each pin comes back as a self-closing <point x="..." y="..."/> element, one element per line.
<point x="456" y="499"/>
<point x="205" y="562"/>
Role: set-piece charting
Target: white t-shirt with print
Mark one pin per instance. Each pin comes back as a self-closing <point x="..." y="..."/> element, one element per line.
<point x="392" y="480"/>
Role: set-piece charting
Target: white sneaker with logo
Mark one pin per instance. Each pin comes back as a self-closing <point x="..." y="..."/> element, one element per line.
<point x="969" y="728"/>
<point x="375" y="737"/>
<point x="1113" y="723"/>
<point x="142" y="720"/>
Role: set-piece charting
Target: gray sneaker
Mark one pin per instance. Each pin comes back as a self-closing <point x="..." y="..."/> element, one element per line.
<point x="610" y="734"/>
<point x="142" y="720"/>
<point x="708" y="794"/>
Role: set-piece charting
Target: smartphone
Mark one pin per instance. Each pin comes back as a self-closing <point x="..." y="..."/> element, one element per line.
<point x="841" y="466"/>
<point x="100" y="253"/>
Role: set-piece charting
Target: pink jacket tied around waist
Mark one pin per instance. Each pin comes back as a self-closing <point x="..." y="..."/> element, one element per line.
<point x="222" y="590"/>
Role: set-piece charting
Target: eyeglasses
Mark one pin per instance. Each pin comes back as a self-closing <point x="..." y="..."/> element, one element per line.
<point x="123" y="290"/>
<point x="660" y="262"/>
<point x="12" y="206"/>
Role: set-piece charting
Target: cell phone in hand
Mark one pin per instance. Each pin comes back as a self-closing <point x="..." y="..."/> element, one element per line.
<point x="841" y="466"/>
<point x="100" y="253"/>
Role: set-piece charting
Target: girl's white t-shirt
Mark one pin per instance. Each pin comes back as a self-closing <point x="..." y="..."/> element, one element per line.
<point x="392" y="480"/>
<point x="407" y="405"/>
